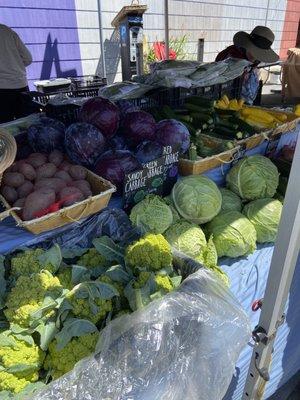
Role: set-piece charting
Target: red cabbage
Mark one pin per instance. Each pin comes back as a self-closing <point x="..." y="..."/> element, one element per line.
<point x="118" y="142"/>
<point x="84" y="143"/>
<point x="148" y="151"/>
<point x="138" y="126"/>
<point x="46" y="135"/>
<point x="170" y="132"/>
<point x="102" y="113"/>
<point x="113" y="165"/>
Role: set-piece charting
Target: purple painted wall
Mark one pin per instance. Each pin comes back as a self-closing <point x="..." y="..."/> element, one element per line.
<point x="49" y="29"/>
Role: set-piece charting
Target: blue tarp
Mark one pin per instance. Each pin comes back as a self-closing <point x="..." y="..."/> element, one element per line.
<point x="248" y="280"/>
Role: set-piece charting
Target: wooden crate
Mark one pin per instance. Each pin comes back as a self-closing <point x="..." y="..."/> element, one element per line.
<point x="102" y="191"/>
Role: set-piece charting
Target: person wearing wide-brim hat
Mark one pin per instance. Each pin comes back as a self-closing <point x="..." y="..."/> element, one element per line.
<point x="256" y="48"/>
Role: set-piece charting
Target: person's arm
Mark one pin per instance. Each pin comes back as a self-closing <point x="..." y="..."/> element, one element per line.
<point x="23" y="51"/>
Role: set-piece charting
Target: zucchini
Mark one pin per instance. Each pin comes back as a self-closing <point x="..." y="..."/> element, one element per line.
<point x="200" y="101"/>
<point x="243" y="125"/>
<point x="198" y="109"/>
<point x="227" y="124"/>
<point x="225" y="132"/>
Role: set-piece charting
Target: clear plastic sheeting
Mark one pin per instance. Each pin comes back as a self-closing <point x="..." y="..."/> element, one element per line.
<point x="183" y="346"/>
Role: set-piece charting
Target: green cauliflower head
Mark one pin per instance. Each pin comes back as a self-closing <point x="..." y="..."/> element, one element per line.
<point x="152" y="214"/>
<point x="59" y="362"/>
<point x="28" y="294"/>
<point x="27" y="263"/>
<point x="151" y="252"/>
<point x="93" y="259"/>
<point x="15" y="353"/>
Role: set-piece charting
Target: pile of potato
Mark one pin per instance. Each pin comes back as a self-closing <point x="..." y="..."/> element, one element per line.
<point x="41" y="180"/>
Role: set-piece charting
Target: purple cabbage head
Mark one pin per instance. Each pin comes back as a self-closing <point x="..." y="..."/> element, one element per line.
<point x="102" y="113"/>
<point x="118" y="142"/>
<point x="84" y="143"/>
<point x="46" y="135"/>
<point x="113" y="165"/>
<point x="138" y="126"/>
<point x="148" y="151"/>
<point x="170" y="132"/>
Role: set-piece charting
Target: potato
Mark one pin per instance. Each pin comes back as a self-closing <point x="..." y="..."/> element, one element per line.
<point x="56" y="157"/>
<point x="45" y="171"/>
<point x="63" y="175"/>
<point x="13" y="167"/>
<point x="37" y="159"/>
<point x="13" y="179"/>
<point x="65" y="166"/>
<point x="27" y="170"/>
<point x="19" y="203"/>
<point x="53" y="183"/>
<point x="77" y="172"/>
<point x="37" y="201"/>
<point x="9" y="193"/>
<point x="83" y="186"/>
<point x="25" y="189"/>
<point x="71" y="195"/>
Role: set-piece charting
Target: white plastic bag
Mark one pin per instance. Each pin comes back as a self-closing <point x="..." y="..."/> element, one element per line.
<point x="183" y="346"/>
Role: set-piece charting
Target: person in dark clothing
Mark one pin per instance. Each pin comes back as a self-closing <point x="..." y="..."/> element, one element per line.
<point x="256" y="48"/>
<point x="14" y="58"/>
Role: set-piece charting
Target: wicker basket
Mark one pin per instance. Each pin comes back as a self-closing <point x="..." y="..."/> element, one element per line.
<point x="8" y="151"/>
<point x="188" y="167"/>
<point x="102" y="191"/>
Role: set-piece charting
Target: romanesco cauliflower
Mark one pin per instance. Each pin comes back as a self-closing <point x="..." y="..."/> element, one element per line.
<point x="142" y="279"/>
<point x="59" y="362"/>
<point x="116" y="285"/>
<point x="164" y="283"/>
<point x="152" y="252"/>
<point x="65" y="278"/>
<point x="20" y="353"/>
<point x="27" y="296"/>
<point x="92" y="259"/>
<point x="81" y="307"/>
<point x="27" y="263"/>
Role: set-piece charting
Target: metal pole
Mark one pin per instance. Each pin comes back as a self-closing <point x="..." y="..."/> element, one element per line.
<point x="139" y="59"/>
<point x="282" y="268"/>
<point x="267" y="13"/>
<point x="101" y="40"/>
<point x="167" y="28"/>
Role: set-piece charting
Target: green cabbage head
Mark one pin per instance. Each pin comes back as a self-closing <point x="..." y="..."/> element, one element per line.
<point x="253" y="177"/>
<point x="233" y="234"/>
<point x="197" y="198"/>
<point x="187" y="238"/>
<point x="265" y="216"/>
<point x="152" y="214"/>
<point x="230" y="201"/>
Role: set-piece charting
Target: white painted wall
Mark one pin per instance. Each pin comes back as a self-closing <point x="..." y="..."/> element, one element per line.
<point x="216" y="21"/>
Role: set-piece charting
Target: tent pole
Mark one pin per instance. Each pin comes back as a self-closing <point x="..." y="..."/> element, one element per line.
<point x="286" y="252"/>
<point x="167" y="28"/>
<point x="101" y="40"/>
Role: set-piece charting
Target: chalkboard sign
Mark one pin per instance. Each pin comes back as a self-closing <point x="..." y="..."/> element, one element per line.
<point x="156" y="177"/>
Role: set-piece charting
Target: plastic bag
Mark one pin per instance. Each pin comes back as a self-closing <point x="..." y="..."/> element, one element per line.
<point x="183" y="346"/>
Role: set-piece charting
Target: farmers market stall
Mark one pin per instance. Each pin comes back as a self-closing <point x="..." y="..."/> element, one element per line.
<point x="143" y="157"/>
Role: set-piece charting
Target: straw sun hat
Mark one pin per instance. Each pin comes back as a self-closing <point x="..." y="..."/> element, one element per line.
<point x="258" y="43"/>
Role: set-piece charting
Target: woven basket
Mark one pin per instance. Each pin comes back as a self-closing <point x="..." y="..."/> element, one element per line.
<point x="102" y="191"/>
<point x="8" y="151"/>
<point x="188" y="167"/>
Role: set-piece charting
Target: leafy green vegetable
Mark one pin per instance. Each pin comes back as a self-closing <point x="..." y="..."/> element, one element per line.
<point x="152" y="214"/>
<point x="265" y="216"/>
<point x="187" y="238"/>
<point x="233" y="234"/>
<point x="197" y="198"/>
<point x="253" y="177"/>
<point x="74" y="327"/>
<point x="230" y="201"/>
<point x="110" y="250"/>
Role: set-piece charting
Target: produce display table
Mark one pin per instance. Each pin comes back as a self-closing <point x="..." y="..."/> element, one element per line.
<point x="248" y="280"/>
